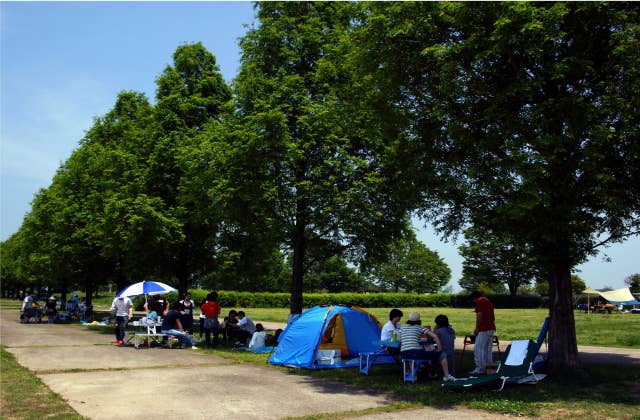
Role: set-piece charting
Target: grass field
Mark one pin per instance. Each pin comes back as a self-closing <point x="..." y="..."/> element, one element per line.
<point x="24" y="396"/>
<point x="610" y="330"/>
<point x="612" y="392"/>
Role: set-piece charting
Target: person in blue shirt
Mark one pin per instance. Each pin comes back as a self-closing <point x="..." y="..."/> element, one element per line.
<point x="447" y="337"/>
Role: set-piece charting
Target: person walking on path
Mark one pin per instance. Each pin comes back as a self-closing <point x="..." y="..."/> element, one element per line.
<point x="123" y="309"/>
<point x="171" y="325"/>
<point x="484" y="331"/>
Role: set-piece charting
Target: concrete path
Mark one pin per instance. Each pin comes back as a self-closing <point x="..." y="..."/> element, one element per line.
<point x="102" y="381"/>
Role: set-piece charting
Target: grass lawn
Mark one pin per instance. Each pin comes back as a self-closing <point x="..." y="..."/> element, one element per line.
<point x="613" y="393"/>
<point x="24" y="396"/>
<point x="609" y="330"/>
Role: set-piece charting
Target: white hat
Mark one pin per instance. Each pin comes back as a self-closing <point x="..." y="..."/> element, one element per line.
<point x="414" y="316"/>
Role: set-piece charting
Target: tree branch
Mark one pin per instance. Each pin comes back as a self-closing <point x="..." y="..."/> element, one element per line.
<point x="614" y="237"/>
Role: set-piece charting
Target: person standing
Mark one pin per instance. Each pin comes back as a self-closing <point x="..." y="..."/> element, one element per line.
<point x="186" y="313"/>
<point x="211" y="310"/>
<point x="123" y="309"/>
<point x="484" y="331"/>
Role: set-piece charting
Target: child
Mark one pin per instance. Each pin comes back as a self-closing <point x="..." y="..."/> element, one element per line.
<point x="447" y="337"/>
<point x="259" y="337"/>
<point x="392" y="325"/>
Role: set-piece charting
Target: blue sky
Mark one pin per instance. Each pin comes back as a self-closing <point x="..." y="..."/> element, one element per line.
<point x="63" y="63"/>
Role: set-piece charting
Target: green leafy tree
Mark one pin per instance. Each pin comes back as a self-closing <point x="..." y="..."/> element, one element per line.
<point x="316" y="184"/>
<point x="95" y="223"/>
<point x="495" y="259"/>
<point x="633" y="281"/>
<point x="519" y="118"/>
<point x="410" y="267"/>
<point x="333" y="276"/>
<point x="132" y="227"/>
<point x="577" y="284"/>
<point x="191" y="94"/>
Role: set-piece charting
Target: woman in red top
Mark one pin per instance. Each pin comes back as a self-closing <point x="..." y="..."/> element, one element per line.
<point x="211" y="310"/>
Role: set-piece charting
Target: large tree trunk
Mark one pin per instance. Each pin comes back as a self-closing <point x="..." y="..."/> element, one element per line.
<point x="63" y="293"/>
<point x="88" y="291"/>
<point x="182" y="273"/>
<point x="121" y="281"/>
<point x="563" y="346"/>
<point x="299" y="249"/>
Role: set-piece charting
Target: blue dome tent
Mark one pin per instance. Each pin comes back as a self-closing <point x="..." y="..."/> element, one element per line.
<point x="328" y="337"/>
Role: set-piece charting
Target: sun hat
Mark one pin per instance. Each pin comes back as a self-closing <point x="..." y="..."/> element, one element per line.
<point x="414" y="316"/>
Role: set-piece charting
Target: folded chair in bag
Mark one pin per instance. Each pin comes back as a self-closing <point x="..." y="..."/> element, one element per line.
<point x="517" y="363"/>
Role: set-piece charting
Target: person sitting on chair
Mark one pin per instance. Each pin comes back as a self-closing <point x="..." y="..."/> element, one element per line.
<point x="447" y="337"/>
<point x="245" y="329"/>
<point x="171" y="325"/>
<point x="51" y="309"/>
<point x="411" y="348"/>
<point x="229" y="326"/>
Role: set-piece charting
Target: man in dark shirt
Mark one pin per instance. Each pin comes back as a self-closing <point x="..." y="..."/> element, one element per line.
<point x="171" y="325"/>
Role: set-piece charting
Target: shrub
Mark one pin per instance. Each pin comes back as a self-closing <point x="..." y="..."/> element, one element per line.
<point x="232" y="299"/>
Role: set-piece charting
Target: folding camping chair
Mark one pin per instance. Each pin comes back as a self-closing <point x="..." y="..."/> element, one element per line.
<point x="517" y="363"/>
<point x="542" y="338"/>
<point x="470" y="340"/>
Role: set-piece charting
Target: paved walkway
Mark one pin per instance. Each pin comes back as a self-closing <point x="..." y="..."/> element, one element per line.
<point x="102" y="381"/>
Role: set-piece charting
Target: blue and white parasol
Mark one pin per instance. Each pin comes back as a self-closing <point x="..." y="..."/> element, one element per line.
<point x="146" y="288"/>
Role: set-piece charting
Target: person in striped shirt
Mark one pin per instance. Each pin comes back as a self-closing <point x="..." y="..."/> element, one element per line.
<point x="411" y="348"/>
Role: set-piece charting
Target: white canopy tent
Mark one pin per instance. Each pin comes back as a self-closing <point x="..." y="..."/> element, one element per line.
<point x="620" y="296"/>
<point x="617" y="297"/>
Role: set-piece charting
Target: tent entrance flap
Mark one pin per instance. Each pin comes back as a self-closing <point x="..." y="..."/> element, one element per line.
<point x="334" y="337"/>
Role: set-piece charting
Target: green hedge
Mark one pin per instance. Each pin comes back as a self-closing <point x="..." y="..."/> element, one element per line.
<point x="229" y="299"/>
